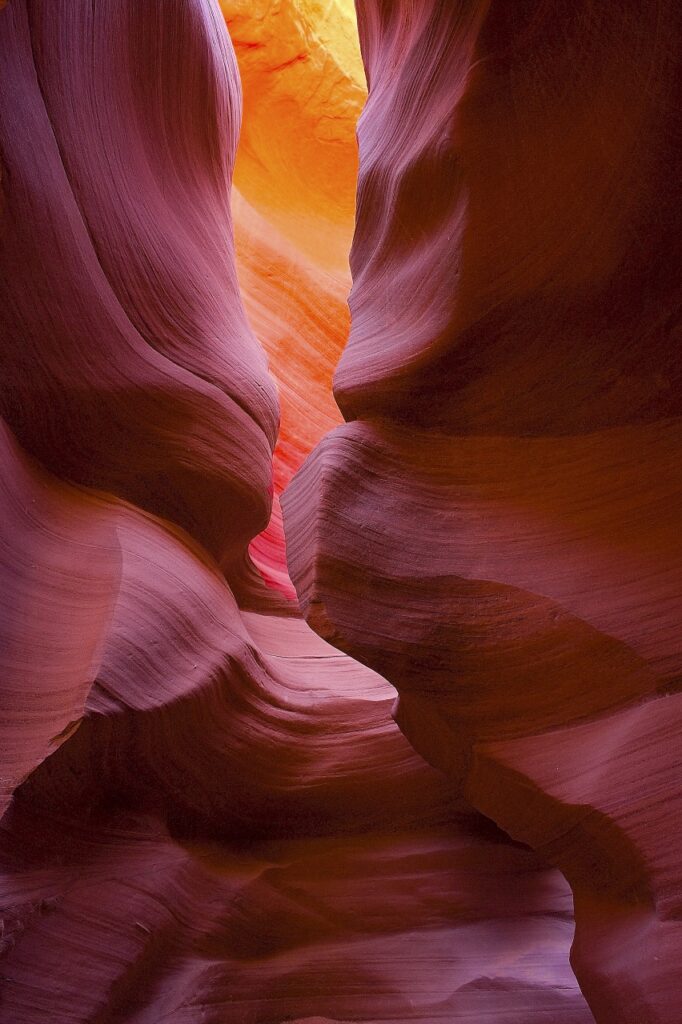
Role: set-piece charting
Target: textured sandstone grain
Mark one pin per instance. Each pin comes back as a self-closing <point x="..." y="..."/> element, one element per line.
<point x="210" y="814"/>
<point x="496" y="529"/>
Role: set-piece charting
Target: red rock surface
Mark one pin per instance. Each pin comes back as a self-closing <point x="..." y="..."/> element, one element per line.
<point x="208" y="813"/>
<point x="233" y="826"/>
<point x="496" y="529"/>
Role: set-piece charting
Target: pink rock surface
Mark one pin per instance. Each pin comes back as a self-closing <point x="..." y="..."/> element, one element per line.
<point x="210" y="815"/>
<point x="128" y="362"/>
<point x="237" y="825"/>
<point x="496" y="529"/>
<point x="380" y="928"/>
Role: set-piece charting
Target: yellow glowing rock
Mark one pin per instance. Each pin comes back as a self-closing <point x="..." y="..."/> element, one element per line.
<point x="293" y="209"/>
<point x="304" y="86"/>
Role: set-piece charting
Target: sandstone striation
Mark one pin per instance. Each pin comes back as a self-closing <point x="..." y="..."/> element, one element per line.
<point x="211" y="813"/>
<point x="496" y="528"/>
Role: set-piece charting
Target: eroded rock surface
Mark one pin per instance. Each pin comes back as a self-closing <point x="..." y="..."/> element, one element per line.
<point x="496" y="529"/>
<point x="209" y="813"/>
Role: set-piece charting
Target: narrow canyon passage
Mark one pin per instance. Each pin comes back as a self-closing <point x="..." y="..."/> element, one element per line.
<point x="210" y="812"/>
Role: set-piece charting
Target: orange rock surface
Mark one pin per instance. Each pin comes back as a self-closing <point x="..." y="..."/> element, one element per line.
<point x="293" y="204"/>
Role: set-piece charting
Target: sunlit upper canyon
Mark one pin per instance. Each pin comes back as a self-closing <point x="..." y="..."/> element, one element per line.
<point x="293" y="203"/>
<point x="340" y="489"/>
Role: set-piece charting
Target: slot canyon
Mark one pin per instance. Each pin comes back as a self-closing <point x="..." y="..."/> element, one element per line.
<point x="341" y="512"/>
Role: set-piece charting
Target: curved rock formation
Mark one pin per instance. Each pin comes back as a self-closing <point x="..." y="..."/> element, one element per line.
<point x="295" y="173"/>
<point x="496" y="528"/>
<point x="117" y="345"/>
<point x="209" y="813"/>
<point x="232" y="823"/>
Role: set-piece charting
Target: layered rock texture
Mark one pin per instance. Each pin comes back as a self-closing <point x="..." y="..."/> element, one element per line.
<point x="293" y="205"/>
<point x="497" y="527"/>
<point x="210" y="812"/>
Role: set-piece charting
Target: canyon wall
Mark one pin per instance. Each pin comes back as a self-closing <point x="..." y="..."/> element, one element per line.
<point x="211" y="814"/>
<point x="208" y="813"/>
<point x="496" y="527"/>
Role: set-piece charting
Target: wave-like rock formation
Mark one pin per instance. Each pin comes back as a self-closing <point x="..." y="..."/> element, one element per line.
<point x="208" y="814"/>
<point x="293" y="205"/>
<point x="497" y="527"/>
